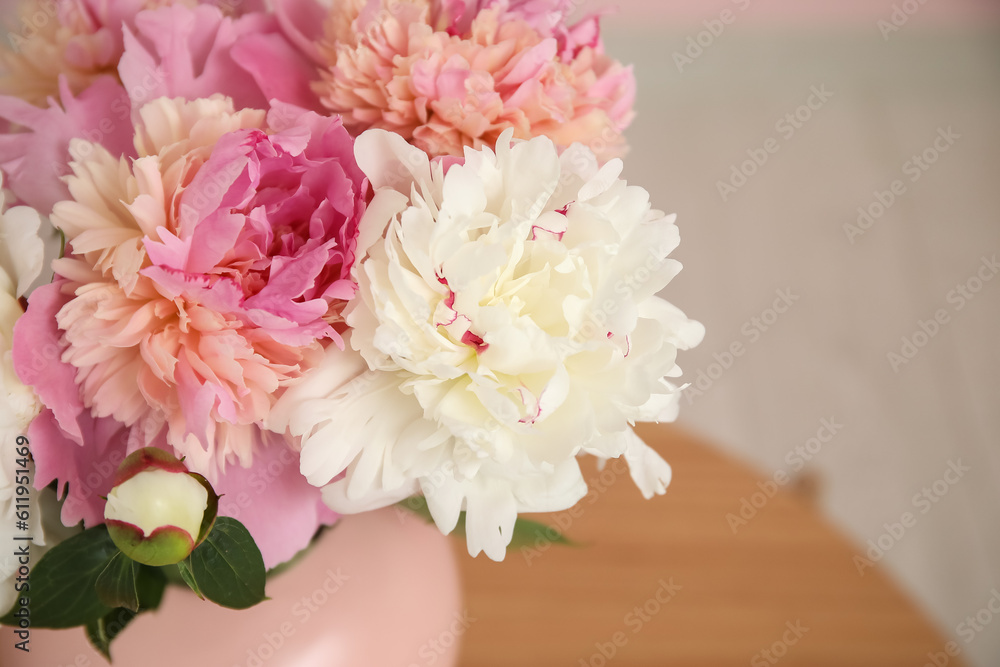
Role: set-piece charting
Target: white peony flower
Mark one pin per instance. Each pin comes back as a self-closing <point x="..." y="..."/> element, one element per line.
<point x="21" y="261"/>
<point x="508" y="321"/>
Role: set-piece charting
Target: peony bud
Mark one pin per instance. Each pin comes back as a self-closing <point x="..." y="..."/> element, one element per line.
<point x="158" y="511"/>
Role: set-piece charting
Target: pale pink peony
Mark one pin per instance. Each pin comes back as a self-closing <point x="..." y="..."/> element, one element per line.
<point x="197" y="52"/>
<point x="37" y="157"/>
<point x="446" y="74"/>
<point x="80" y="40"/>
<point x="205" y="275"/>
<point x="170" y="51"/>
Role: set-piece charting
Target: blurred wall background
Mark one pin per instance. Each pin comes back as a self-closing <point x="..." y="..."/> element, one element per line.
<point x="836" y="171"/>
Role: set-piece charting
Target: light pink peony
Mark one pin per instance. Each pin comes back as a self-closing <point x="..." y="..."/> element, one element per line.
<point x="80" y="40"/>
<point x="170" y="51"/>
<point x="446" y="74"/>
<point x="81" y="452"/>
<point x="36" y="158"/>
<point x="205" y="275"/>
<point x="195" y="52"/>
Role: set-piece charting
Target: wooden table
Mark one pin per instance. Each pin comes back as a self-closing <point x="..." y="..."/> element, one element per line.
<point x="669" y="582"/>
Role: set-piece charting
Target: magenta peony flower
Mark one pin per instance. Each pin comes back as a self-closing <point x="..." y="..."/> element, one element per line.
<point x="446" y="74"/>
<point x="206" y="275"/>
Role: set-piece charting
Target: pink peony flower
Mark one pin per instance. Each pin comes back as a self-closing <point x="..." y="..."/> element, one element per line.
<point x="205" y="275"/>
<point x="170" y="51"/>
<point x="36" y="158"/>
<point x="80" y="40"/>
<point x="446" y="74"/>
<point x="197" y="52"/>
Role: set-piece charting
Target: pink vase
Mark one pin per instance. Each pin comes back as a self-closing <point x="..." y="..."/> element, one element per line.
<point x="378" y="590"/>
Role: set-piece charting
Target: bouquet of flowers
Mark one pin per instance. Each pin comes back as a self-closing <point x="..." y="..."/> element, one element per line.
<point x="317" y="259"/>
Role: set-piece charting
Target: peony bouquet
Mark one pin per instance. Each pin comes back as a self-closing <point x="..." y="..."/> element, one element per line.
<point x="265" y="264"/>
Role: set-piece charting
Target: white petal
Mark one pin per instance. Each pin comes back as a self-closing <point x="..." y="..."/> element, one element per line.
<point x="385" y="205"/>
<point x="648" y="469"/>
<point x="491" y="513"/>
<point x="335" y="497"/>
<point x="156" y="498"/>
<point x="555" y="492"/>
<point x="336" y="369"/>
<point x="390" y="162"/>
<point x="22" y="251"/>
<point x="445" y="498"/>
<point x="601" y="181"/>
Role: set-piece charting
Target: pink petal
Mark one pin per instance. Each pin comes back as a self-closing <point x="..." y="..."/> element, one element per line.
<point x="84" y="466"/>
<point x="37" y="354"/>
<point x="188" y="52"/>
<point x="274" y="501"/>
<point x="281" y="72"/>
<point x="36" y="158"/>
<point x="302" y="23"/>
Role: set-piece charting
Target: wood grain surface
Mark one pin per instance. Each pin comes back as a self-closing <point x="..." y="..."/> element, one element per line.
<point x="668" y="582"/>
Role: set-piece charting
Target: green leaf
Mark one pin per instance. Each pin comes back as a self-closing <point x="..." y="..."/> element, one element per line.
<point x="140" y="585"/>
<point x="134" y="586"/>
<point x="102" y="631"/>
<point x="63" y="583"/>
<point x="526" y="532"/>
<point x="418" y="505"/>
<point x="227" y="567"/>
<point x="116" y="585"/>
<point x="211" y="510"/>
<point x="184" y="568"/>
<point x="151" y="583"/>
